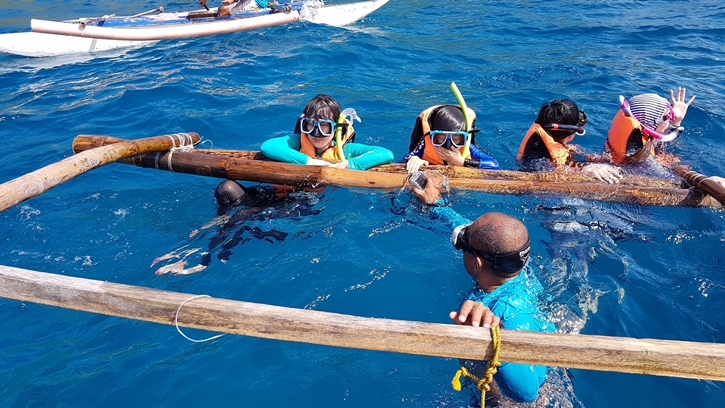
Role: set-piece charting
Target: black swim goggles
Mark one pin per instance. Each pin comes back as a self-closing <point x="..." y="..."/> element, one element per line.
<point x="507" y="262"/>
<point x="325" y="127"/>
<point x="439" y="137"/>
<point x="578" y="128"/>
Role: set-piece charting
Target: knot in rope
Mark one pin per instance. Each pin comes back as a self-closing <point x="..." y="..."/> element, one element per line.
<point x="491" y="368"/>
<point x="185" y="144"/>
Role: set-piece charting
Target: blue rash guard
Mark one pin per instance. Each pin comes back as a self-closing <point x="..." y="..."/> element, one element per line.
<point x="516" y="304"/>
<point x="359" y="156"/>
<point x="485" y="162"/>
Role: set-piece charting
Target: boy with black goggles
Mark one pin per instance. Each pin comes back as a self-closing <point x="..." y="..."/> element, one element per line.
<point x="504" y="264"/>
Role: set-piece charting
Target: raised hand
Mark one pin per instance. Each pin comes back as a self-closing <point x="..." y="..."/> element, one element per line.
<point x="679" y="106"/>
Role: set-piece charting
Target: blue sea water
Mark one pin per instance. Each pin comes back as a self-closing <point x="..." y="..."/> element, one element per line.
<point x="647" y="272"/>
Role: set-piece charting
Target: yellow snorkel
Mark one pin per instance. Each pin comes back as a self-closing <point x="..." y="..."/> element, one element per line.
<point x="338" y="131"/>
<point x="466" y="151"/>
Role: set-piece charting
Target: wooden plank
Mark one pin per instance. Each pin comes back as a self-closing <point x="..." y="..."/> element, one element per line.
<point x="34" y="183"/>
<point x="85" y="142"/>
<point x="250" y="166"/>
<point x="283" y="173"/>
<point x="640" y="356"/>
<point x="701" y="182"/>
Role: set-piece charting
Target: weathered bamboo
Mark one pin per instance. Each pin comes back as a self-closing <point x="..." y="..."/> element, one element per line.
<point x="84" y="142"/>
<point x="282" y="173"/>
<point x="34" y="183"/>
<point x="701" y="182"/>
<point x="640" y="356"/>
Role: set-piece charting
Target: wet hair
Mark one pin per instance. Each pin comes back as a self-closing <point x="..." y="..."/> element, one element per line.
<point x="444" y="117"/>
<point x="561" y="111"/>
<point x="498" y="233"/>
<point x="320" y="105"/>
<point x="447" y="117"/>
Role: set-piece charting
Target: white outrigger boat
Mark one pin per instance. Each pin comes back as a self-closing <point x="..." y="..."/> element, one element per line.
<point x="91" y="35"/>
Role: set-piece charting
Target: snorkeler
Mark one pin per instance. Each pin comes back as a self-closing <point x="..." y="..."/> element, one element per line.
<point x="258" y="203"/>
<point x="642" y="125"/>
<point x="445" y="135"/>
<point x="440" y="137"/>
<point x="496" y="249"/>
<point x="323" y="136"/>
<point x="546" y="143"/>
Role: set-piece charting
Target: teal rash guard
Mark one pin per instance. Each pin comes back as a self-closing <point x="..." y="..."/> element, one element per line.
<point x="516" y="304"/>
<point x="359" y="156"/>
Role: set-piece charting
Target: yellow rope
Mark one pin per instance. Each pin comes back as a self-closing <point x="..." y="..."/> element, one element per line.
<point x="482" y="383"/>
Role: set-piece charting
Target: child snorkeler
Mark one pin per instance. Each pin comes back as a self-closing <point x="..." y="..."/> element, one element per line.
<point x="445" y="135"/>
<point x="322" y="137"/>
<point x="439" y="137"/>
<point x="547" y="142"/>
<point x="643" y="123"/>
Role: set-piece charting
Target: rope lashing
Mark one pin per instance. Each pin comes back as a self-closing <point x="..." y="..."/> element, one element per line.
<point x="482" y="383"/>
<point x="186" y="143"/>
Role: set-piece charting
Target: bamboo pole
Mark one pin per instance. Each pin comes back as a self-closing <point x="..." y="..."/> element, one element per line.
<point x="701" y="182"/>
<point x="640" y="356"/>
<point x="85" y="142"/>
<point x="281" y="173"/>
<point x="34" y="183"/>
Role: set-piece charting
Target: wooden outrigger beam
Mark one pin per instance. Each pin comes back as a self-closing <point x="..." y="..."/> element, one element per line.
<point x="233" y="167"/>
<point x="34" y="183"/>
<point x="639" y="356"/>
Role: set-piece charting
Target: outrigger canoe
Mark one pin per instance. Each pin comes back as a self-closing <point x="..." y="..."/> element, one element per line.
<point x="91" y="35"/>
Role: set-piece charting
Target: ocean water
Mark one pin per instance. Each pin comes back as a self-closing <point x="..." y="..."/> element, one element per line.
<point x="607" y="269"/>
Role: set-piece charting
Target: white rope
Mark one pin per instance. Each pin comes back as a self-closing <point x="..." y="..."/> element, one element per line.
<point x="176" y="321"/>
<point x="186" y="144"/>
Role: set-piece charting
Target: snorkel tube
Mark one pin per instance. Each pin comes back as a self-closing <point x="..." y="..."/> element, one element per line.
<point x="465" y="152"/>
<point x="624" y="105"/>
<point x="338" y="129"/>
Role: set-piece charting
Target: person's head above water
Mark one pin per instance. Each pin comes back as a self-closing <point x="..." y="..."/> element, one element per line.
<point x="318" y="120"/>
<point x="229" y="193"/>
<point x="496" y="247"/>
<point x="448" y="127"/>
<point x="650" y="109"/>
<point x="562" y="119"/>
<point x="654" y="113"/>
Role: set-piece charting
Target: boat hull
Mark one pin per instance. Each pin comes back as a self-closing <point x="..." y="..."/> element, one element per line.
<point x="48" y="45"/>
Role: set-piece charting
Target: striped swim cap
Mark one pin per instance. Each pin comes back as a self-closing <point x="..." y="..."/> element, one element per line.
<point x="649" y="109"/>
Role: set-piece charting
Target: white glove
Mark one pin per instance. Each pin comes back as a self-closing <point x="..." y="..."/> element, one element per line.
<point x="603" y="172"/>
<point x="414" y="164"/>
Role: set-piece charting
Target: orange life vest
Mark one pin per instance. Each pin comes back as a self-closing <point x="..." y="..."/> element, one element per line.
<point x="558" y="152"/>
<point x="429" y="153"/>
<point x="331" y="153"/>
<point x="623" y="128"/>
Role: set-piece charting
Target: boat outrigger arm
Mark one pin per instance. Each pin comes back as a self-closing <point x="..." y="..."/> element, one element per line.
<point x="336" y="15"/>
